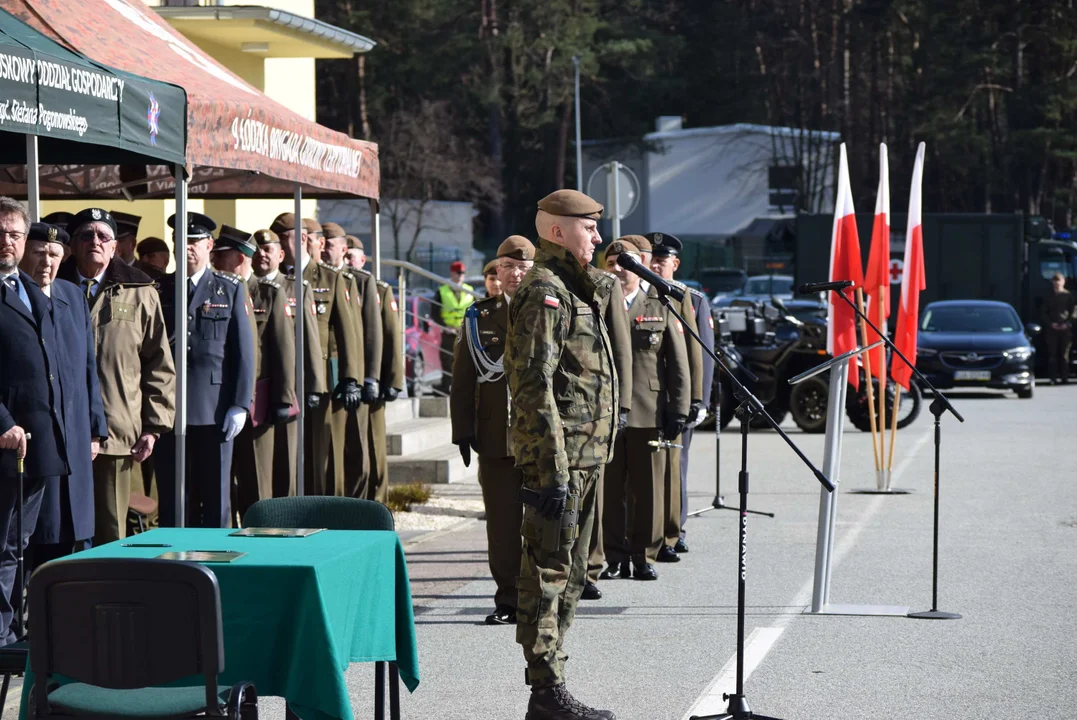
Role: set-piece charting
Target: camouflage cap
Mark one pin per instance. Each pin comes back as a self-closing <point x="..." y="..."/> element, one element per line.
<point x="332" y="230"/>
<point x="283" y="223"/>
<point x="570" y="203"/>
<point x="490" y="269"/>
<point x="265" y="237"/>
<point x="622" y="245"/>
<point x="151" y="245"/>
<point x="312" y="226"/>
<point x="354" y="243"/>
<point x="516" y="246"/>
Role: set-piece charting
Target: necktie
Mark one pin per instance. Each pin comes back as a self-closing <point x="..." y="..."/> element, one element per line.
<point x="11" y="284"/>
<point x="627" y="304"/>
<point x="190" y="289"/>
<point x="87" y="287"/>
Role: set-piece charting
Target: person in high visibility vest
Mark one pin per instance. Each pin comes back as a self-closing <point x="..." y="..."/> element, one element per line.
<point x="453" y="305"/>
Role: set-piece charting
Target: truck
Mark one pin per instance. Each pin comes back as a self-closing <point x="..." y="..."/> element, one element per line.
<point x="1007" y="257"/>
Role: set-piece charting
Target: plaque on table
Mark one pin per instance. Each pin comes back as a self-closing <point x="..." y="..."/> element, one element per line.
<point x="275" y="532"/>
<point x="202" y="556"/>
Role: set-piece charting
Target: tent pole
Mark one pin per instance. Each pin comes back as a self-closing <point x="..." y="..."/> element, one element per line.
<point x="33" y="179"/>
<point x="300" y="318"/>
<point x="375" y="234"/>
<point x="180" y="236"/>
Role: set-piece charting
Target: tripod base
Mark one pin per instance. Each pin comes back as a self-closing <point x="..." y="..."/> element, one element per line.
<point x="719" y="504"/>
<point x="876" y="491"/>
<point x="934" y="615"/>
<point x="738" y="710"/>
<point x="863" y="610"/>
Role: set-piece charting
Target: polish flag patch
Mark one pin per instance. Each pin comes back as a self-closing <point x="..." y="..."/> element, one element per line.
<point x="551" y="301"/>
<point x="680" y="328"/>
<point x="711" y="321"/>
<point x="393" y="304"/>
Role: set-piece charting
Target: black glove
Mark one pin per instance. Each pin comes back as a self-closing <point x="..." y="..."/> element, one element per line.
<point x="370" y="391"/>
<point x="552" y="501"/>
<point x="349" y="394"/>
<point x="674" y="427"/>
<point x="390" y="393"/>
<point x="622" y="419"/>
<point x="465" y="451"/>
<point x="314" y="401"/>
<point x="282" y="414"/>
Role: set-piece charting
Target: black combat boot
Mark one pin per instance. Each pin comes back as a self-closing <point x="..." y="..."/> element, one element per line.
<point x="557" y="703"/>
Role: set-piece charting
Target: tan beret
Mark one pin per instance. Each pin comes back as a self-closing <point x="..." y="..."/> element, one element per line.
<point x="265" y="237"/>
<point x="570" y="203"/>
<point x="516" y="246"/>
<point x="622" y="245"/>
<point x="332" y="230"/>
<point x="490" y="269"/>
<point x="311" y="226"/>
<point x="354" y="243"/>
<point x="639" y="241"/>
<point x="283" y="223"/>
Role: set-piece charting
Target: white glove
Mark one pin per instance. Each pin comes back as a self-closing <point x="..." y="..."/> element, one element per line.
<point x="234" y="420"/>
<point x="697" y="417"/>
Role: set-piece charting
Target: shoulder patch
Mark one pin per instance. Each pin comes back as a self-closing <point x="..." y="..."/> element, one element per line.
<point x="551" y="301"/>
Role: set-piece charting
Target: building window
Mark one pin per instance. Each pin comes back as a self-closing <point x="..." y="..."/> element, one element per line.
<point x="783" y="181"/>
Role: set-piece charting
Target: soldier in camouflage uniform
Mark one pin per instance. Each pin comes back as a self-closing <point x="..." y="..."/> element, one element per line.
<point x="563" y="382"/>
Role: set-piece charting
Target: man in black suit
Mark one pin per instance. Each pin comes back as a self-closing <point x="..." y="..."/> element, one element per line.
<point x="30" y="398"/>
<point x="65" y="523"/>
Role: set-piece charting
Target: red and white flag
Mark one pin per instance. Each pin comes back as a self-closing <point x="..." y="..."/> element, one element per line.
<point x="915" y="280"/>
<point x="845" y="264"/>
<point x="877" y="276"/>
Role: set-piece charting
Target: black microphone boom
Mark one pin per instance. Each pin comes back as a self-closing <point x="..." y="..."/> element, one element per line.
<point x="629" y="262"/>
<point x="809" y="288"/>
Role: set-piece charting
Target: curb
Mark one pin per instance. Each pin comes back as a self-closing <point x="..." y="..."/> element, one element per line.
<point x="434" y="534"/>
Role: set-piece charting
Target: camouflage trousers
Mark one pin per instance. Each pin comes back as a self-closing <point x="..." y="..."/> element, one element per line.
<point x="550" y="584"/>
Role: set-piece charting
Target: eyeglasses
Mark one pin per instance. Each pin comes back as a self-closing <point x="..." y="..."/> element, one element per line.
<point x="516" y="267"/>
<point x="16" y="236"/>
<point x="90" y="235"/>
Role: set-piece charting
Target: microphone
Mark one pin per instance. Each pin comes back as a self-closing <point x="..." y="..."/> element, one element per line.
<point x="809" y="288"/>
<point x="629" y="262"/>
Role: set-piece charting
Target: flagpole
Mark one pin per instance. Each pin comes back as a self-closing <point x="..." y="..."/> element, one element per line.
<point x="882" y="384"/>
<point x="893" y="429"/>
<point x="871" y="392"/>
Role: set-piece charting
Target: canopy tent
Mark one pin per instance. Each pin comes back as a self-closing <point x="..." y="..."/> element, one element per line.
<point x="240" y="143"/>
<point x="81" y="111"/>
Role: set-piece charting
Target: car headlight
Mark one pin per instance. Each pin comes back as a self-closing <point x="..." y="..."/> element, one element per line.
<point x="926" y="352"/>
<point x="1021" y="353"/>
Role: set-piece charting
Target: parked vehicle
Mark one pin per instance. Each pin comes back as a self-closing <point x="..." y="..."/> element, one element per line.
<point x="719" y="282"/>
<point x="976" y="343"/>
<point x="422" y="343"/>
<point x="761" y="289"/>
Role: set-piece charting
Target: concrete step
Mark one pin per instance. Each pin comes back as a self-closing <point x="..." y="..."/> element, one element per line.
<point x="435" y="466"/>
<point x="401" y="410"/>
<point x="431" y="406"/>
<point x="415" y="436"/>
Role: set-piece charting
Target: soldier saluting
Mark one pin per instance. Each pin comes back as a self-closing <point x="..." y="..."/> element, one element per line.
<point x="563" y="382"/>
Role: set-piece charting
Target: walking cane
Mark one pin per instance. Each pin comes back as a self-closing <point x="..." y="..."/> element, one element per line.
<point x="19" y="560"/>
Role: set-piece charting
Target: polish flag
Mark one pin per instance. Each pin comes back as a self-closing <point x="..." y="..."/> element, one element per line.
<point x="915" y="281"/>
<point x="845" y="264"/>
<point x="877" y="277"/>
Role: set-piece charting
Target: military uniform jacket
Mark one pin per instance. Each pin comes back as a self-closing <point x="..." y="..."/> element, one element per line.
<point x="480" y="410"/>
<point x="275" y="336"/>
<point x="220" y="346"/>
<point x="705" y="325"/>
<point x="560" y="367"/>
<point x="695" y="352"/>
<point x="660" y="380"/>
<point x="134" y="364"/>
<point x="392" y="354"/>
<point x="313" y="358"/>
<point x="339" y="331"/>
<point x="621" y="339"/>
<point x="369" y="309"/>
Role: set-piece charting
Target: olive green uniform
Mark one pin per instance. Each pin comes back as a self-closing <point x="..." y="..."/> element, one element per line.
<point x="660" y="391"/>
<point x="393" y="375"/>
<point x="559" y="363"/>
<point x="357" y="445"/>
<point x="671" y="482"/>
<point x="479" y="408"/>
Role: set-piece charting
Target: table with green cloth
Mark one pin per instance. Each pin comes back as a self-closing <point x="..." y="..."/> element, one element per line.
<point x="298" y="611"/>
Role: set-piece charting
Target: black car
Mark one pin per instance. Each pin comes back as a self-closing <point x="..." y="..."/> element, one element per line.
<point x="976" y="343"/>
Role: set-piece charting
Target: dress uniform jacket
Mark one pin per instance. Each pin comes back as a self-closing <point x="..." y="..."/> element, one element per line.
<point x="356" y="452"/>
<point x="695" y="352"/>
<point x="313" y="358"/>
<point x="392" y="376"/>
<point x="705" y="324"/>
<point x="661" y="388"/>
<point x="342" y="352"/>
<point x="275" y="340"/>
<point x="84" y="419"/>
<point x="369" y="307"/>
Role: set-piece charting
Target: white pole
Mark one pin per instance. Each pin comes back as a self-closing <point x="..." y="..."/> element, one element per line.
<point x="33" y="181"/>
<point x="180" y="238"/>
<point x="402" y="314"/>
<point x="300" y="318"/>
<point x="828" y="501"/>
<point x="579" y="139"/>
<point x="614" y="186"/>
<point x="375" y="234"/>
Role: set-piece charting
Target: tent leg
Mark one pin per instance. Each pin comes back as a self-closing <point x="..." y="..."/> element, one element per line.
<point x="33" y="179"/>
<point x="180" y="236"/>
<point x="375" y="234"/>
<point x="300" y="318"/>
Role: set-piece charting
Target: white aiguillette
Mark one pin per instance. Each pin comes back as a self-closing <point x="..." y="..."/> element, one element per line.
<point x="275" y="532"/>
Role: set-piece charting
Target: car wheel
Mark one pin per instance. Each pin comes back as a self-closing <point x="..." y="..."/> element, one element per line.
<point x="807" y="404"/>
<point x="1025" y="392"/>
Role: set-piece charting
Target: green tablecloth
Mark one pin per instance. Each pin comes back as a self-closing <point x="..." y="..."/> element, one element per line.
<point x="297" y="611"/>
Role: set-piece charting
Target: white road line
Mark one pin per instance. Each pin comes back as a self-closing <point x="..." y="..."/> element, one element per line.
<point x="761" y="640"/>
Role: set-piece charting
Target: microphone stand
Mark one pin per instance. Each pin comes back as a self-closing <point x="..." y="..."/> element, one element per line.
<point x="939" y="405"/>
<point x="750" y="406"/>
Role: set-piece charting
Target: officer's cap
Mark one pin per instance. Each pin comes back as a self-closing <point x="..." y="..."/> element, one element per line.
<point x="570" y="203"/>
<point x="151" y="245"/>
<point x="265" y="237"/>
<point x="231" y="238"/>
<point x="665" y="245"/>
<point x="490" y="269"/>
<point x="199" y="226"/>
<point x="126" y="224"/>
<point x="622" y="245"/>
<point x="48" y="233"/>
<point x="332" y="230"/>
<point x="311" y="226"/>
<point x="60" y="218"/>
<point x="354" y="243"/>
<point x="516" y="246"/>
<point x="89" y="215"/>
<point x="285" y="222"/>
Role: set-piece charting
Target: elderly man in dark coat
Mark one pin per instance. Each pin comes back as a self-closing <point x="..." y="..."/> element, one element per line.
<point x="65" y="523"/>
